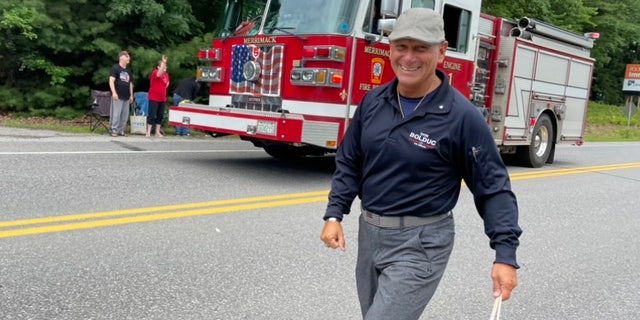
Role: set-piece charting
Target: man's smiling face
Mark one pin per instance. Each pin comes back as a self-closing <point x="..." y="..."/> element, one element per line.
<point x="414" y="63"/>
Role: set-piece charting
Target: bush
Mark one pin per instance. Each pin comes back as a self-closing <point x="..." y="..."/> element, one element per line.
<point x="41" y="113"/>
<point x="66" y="113"/>
<point x="11" y="99"/>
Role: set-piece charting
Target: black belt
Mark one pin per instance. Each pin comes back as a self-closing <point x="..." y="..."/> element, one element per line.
<point x="397" y="222"/>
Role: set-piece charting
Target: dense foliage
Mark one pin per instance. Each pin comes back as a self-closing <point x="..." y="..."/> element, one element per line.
<point x="53" y="52"/>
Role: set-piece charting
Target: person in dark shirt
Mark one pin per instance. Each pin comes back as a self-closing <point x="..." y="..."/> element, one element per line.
<point x="187" y="90"/>
<point x="121" y="85"/>
<point x="410" y="144"/>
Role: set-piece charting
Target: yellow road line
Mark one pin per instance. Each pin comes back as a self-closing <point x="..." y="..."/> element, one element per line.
<point x="567" y="171"/>
<point x="103" y="214"/>
<point x="155" y="217"/>
<point x="128" y="216"/>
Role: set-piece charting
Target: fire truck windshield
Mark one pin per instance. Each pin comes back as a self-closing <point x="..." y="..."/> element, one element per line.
<point x="244" y="17"/>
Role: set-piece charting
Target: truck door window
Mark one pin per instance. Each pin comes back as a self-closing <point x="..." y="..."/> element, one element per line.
<point x="456" y="28"/>
<point x="423" y="4"/>
<point x="371" y="19"/>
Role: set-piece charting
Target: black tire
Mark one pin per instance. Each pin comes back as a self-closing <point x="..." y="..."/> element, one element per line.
<point x="537" y="153"/>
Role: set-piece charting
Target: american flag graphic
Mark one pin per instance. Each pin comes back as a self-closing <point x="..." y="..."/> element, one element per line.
<point x="269" y="59"/>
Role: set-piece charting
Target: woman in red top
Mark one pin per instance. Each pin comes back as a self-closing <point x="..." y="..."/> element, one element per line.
<point x="157" y="96"/>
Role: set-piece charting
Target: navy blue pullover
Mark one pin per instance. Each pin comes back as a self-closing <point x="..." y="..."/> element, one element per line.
<point x="415" y="165"/>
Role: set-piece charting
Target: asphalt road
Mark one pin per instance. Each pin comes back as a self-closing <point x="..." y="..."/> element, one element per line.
<point x="94" y="227"/>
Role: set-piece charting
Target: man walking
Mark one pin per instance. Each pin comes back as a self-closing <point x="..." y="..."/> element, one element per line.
<point x="409" y="145"/>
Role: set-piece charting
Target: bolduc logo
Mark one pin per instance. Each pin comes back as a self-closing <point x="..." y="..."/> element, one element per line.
<point x="422" y="140"/>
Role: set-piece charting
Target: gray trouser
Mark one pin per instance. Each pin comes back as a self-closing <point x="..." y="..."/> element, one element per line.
<point x="398" y="270"/>
<point x="118" y="116"/>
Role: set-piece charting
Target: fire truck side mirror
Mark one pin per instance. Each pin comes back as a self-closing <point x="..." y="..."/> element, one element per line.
<point x="385" y="26"/>
<point x="389" y="9"/>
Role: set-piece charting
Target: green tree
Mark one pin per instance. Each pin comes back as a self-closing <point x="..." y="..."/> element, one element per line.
<point x="618" y="27"/>
<point x="53" y="52"/>
<point x="572" y="15"/>
<point x="22" y="63"/>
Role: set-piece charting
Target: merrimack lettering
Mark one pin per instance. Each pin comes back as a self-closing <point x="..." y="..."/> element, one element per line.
<point x="260" y="40"/>
<point x="376" y="51"/>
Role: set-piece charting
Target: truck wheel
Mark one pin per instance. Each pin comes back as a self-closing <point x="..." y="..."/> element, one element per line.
<point x="280" y="151"/>
<point x="536" y="154"/>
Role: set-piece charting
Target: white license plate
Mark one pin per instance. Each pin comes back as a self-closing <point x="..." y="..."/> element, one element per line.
<point x="266" y="127"/>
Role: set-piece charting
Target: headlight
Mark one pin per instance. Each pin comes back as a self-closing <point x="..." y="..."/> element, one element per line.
<point x="307" y="75"/>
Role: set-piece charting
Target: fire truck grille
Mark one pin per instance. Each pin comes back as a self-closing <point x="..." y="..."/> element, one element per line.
<point x="267" y="80"/>
<point x="269" y="104"/>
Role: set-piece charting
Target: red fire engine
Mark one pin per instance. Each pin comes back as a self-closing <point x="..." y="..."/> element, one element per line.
<point x="287" y="75"/>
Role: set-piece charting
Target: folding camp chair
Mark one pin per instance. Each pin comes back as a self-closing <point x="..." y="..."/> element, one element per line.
<point x="100" y="109"/>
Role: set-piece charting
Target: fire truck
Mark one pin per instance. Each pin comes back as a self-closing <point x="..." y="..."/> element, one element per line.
<point x="287" y="75"/>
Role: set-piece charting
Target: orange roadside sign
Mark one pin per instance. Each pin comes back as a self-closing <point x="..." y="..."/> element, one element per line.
<point x="632" y="72"/>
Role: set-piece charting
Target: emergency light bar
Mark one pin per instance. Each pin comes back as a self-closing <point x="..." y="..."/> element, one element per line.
<point x="210" y="54"/>
<point x="332" y="53"/>
<point x="592" y="35"/>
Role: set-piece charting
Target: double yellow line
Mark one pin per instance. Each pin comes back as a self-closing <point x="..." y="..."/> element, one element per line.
<point x="32" y="226"/>
<point x="25" y="227"/>
<point x="562" y="172"/>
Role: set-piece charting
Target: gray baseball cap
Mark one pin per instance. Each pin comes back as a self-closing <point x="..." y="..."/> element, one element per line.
<point x="420" y="24"/>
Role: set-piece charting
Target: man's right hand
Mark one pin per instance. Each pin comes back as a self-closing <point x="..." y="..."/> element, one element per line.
<point x="332" y="235"/>
<point x="115" y="96"/>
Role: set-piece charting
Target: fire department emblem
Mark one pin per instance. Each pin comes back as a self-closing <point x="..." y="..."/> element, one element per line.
<point x="377" y="68"/>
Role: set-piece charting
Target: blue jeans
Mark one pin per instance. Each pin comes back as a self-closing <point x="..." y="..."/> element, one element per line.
<point x="180" y="130"/>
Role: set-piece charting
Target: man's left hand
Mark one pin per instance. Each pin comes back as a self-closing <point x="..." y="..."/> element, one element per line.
<point x="505" y="279"/>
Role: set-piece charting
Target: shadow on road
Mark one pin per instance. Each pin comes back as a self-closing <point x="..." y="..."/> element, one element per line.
<point x="266" y="167"/>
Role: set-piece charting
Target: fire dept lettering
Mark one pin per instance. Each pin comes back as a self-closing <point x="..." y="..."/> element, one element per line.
<point x="260" y="40"/>
<point x="376" y="51"/>
<point x="452" y="66"/>
<point x="367" y="86"/>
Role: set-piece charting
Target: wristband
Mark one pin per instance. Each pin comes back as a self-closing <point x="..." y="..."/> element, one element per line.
<point x="332" y="219"/>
